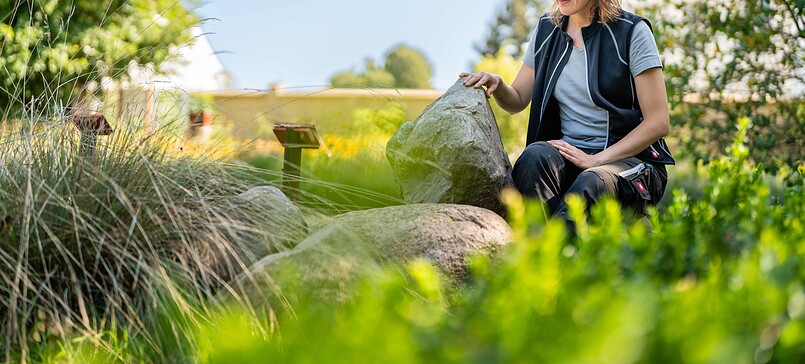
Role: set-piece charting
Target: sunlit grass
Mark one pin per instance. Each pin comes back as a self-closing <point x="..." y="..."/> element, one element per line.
<point x="90" y="244"/>
<point x="354" y="175"/>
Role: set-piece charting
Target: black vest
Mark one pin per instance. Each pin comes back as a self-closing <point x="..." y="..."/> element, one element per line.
<point x="610" y="81"/>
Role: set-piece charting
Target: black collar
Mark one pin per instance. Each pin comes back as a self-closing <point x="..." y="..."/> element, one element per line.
<point x="586" y="32"/>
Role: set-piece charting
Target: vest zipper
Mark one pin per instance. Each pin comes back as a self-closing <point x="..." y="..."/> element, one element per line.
<point x="606" y="142"/>
<point x="587" y="80"/>
<point x="632" y="88"/>
<point x="548" y="86"/>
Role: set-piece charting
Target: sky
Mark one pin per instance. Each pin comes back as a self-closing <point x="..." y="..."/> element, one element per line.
<point x="300" y="43"/>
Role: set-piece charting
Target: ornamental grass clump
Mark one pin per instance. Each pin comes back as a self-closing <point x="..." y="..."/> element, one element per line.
<point x="88" y="243"/>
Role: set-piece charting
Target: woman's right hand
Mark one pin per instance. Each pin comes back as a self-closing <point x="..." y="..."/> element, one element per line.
<point x="514" y="98"/>
<point x="483" y="79"/>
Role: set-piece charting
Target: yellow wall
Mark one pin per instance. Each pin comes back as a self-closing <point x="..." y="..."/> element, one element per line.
<point x="251" y="115"/>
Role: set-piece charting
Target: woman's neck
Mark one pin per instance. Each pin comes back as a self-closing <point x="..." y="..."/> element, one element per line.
<point x="580" y="19"/>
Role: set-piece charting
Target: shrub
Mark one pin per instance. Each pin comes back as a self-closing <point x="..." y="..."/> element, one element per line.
<point x="712" y="280"/>
<point x="89" y="245"/>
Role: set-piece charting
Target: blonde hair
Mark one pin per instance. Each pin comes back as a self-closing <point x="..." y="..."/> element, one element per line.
<point x="607" y="11"/>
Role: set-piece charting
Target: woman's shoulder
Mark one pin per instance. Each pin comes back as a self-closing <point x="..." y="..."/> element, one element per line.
<point x="545" y="20"/>
<point x="629" y="20"/>
<point x="629" y="17"/>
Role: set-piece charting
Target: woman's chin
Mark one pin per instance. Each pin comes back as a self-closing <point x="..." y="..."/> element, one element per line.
<point x="566" y="11"/>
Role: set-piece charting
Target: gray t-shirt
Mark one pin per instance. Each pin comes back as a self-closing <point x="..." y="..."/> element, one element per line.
<point x="584" y="124"/>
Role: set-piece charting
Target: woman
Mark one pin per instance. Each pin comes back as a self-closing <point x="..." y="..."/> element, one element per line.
<point x="599" y="108"/>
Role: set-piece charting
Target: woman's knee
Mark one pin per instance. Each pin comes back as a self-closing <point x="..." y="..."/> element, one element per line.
<point x="538" y="163"/>
<point x="593" y="184"/>
<point x="538" y="153"/>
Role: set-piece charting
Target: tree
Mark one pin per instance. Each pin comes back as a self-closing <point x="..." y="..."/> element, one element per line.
<point x="371" y="77"/>
<point x="728" y="59"/>
<point x="346" y="79"/>
<point x="404" y="67"/>
<point x="512" y="27"/>
<point x="378" y="78"/>
<point x="51" y="48"/>
<point x="409" y="67"/>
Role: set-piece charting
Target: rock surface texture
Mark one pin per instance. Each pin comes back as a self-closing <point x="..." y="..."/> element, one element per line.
<point x="326" y="265"/>
<point x="264" y="221"/>
<point x="444" y="234"/>
<point x="452" y="153"/>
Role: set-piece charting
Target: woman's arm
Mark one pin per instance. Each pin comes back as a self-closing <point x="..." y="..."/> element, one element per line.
<point x="514" y="98"/>
<point x="653" y="99"/>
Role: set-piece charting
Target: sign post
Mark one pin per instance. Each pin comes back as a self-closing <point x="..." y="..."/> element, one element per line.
<point x="91" y="126"/>
<point x="294" y="138"/>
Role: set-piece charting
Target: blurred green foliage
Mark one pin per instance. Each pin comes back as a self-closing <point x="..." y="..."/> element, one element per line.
<point x="511" y="28"/>
<point x="404" y="67"/>
<point x="371" y="77"/>
<point x="385" y="120"/>
<point x="727" y="59"/>
<point x="513" y="127"/>
<point x="51" y="49"/>
<point x="410" y="67"/>
<point x="718" y="279"/>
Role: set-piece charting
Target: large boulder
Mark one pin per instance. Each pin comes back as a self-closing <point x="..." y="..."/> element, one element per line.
<point x="325" y="266"/>
<point x="452" y="153"/>
<point x="444" y="234"/>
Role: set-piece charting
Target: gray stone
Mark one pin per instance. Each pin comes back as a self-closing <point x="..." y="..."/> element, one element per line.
<point x="261" y="221"/>
<point x="443" y="234"/>
<point x="279" y="222"/>
<point x="326" y="265"/>
<point x="323" y="268"/>
<point x="452" y="153"/>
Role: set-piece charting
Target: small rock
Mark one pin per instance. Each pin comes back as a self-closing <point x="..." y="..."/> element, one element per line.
<point x="259" y="222"/>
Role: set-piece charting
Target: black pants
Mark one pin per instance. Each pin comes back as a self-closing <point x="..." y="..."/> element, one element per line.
<point x="542" y="172"/>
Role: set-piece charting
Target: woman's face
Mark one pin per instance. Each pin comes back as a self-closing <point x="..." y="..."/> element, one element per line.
<point x="570" y="7"/>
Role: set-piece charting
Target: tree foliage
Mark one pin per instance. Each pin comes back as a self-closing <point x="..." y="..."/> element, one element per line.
<point x="511" y="28"/>
<point x="729" y="59"/>
<point x="49" y="48"/>
<point x="404" y="67"/>
<point x="371" y="77"/>
<point x="409" y="67"/>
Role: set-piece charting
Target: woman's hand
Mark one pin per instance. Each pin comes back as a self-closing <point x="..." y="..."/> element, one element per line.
<point x="478" y="80"/>
<point x="512" y="98"/>
<point x="575" y="155"/>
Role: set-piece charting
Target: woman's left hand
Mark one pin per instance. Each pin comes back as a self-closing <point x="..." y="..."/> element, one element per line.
<point x="575" y="155"/>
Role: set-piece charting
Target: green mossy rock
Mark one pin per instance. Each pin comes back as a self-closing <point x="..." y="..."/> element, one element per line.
<point x="452" y="153"/>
